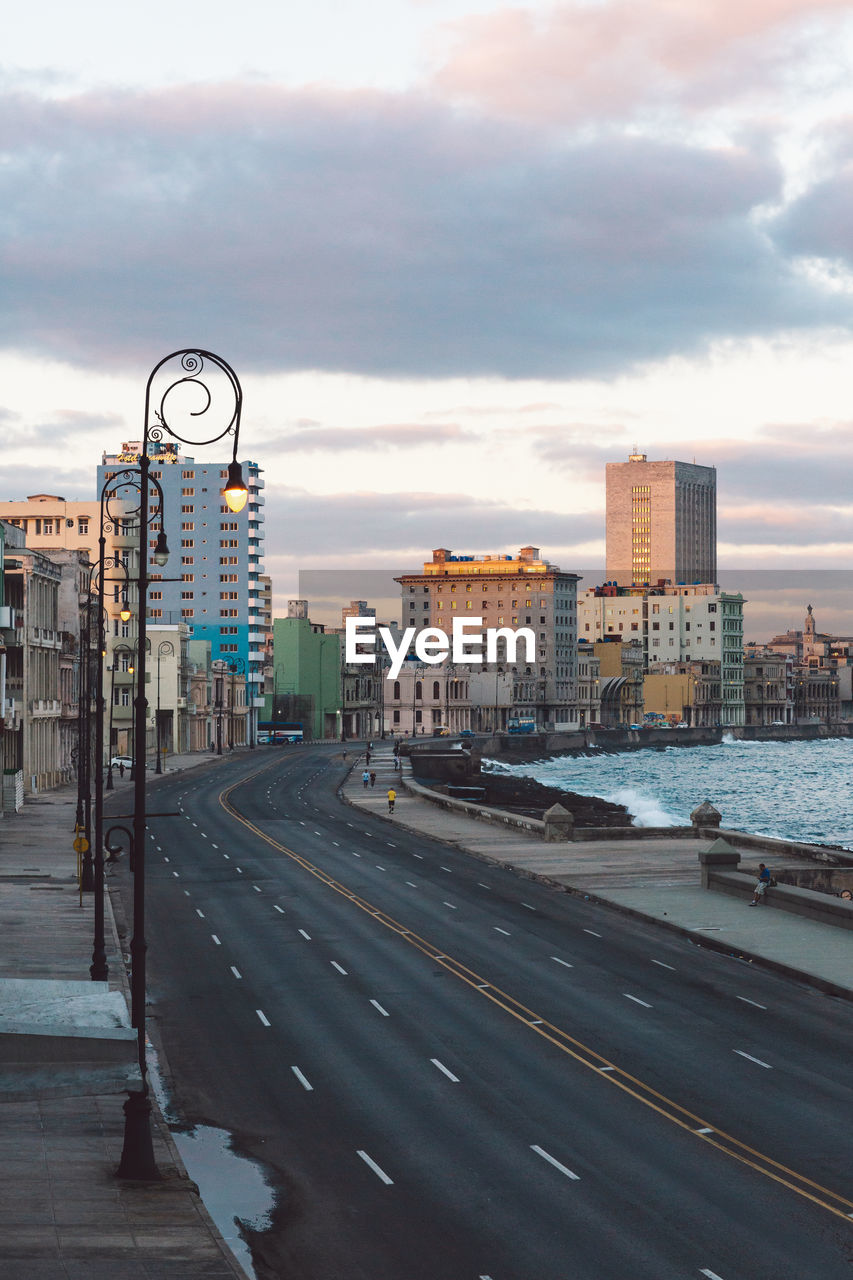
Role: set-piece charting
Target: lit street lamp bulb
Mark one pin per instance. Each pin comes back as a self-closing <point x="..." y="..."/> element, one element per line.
<point x="124" y="614"/>
<point x="235" y="492"/>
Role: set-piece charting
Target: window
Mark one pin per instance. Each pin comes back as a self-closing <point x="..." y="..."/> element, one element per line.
<point x="82" y="525"/>
<point x="155" y="595"/>
<point x="187" y="542"/>
<point x="397" y="693"/>
<point x="186" y="595"/>
<point x="187" y="475"/>
<point x="186" y="559"/>
<point x="419" y="689"/>
<point x="419" y="715"/>
<point x="436" y="691"/>
<point x="396" y="717"/>
<point x="187" y="525"/>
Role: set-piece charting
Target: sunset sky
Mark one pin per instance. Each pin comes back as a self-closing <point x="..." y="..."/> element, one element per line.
<point x="460" y="254"/>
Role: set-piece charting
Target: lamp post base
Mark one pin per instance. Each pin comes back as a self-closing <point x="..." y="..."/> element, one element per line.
<point x="137" y="1157"/>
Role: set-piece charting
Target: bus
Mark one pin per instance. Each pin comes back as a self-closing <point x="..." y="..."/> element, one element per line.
<point x="521" y="724"/>
<point x="278" y="732"/>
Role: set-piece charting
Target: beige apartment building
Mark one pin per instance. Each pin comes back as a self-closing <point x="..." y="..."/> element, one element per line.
<point x="512" y="592"/>
<point x="661" y="521"/>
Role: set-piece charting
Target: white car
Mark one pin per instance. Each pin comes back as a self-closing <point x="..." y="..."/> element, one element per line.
<point x="117" y="761"/>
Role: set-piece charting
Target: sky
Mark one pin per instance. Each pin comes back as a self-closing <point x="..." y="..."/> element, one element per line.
<point x="460" y="254"/>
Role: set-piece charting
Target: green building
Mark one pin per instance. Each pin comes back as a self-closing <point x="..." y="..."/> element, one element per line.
<point x="307" y="675"/>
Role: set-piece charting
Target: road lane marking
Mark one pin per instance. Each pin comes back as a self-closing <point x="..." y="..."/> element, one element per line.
<point x="301" y="1078"/>
<point x="256" y="889"/>
<point x="378" y="1006"/>
<point x="636" y="1000"/>
<point x="216" y="940"/>
<point x="378" y="868"/>
<point x="498" y="929"/>
<point x="435" y="1062"/>
<point x="236" y="972"/>
<point x="278" y="908"/>
<point x="175" y="874"/>
<point x="705" y="1130"/>
<point x="306" y="936"/>
<point x="355" y="855"/>
<point x="204" y="835"/>
<point x="335" y="844"/>
<point x="380" y="1173"/>
<point x="754" y="1003"/>
<point x="167" y="859"/>
<point x="450" y="904"/>
<point x="418" y="855"/>
<point x="592" y="931"/>
<point x="664" y="966"/>
<point x="750" y="1058"/>
<point x="565" y="963"/>
<point x="227" y="855"/>
<point x="529" y="908"/>
<point x="213" y="846"/>
<point x="412" y="884"/>
<point x="483" y="886"/>
<point x="710" y="1275"/>
<point x="200" y="914"/>
<point x="264" y="1019"/>
<point x="450" y="869"/>
<point x="667" y="1108"/>
<point x="390" y="845"/>
<point x="339" y="967"/>
<point x="317" y="833"/>
<point x="544" y="1154"/>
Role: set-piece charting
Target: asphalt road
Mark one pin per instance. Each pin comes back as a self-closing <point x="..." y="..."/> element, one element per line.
<point x="450" y="1071"/>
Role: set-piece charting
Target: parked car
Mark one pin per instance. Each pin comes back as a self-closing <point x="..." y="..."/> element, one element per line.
<point x="442" y="732"/>
<point x="466" y="733"/>
<point x="121" y="760"/>
<point x="635" y="726"/>
<point x="682" y="724"/>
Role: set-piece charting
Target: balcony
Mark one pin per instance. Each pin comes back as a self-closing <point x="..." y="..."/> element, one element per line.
<point x="41" y="707"/>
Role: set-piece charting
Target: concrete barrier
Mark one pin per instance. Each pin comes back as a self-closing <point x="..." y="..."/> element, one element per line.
<point x="718" y="873"/>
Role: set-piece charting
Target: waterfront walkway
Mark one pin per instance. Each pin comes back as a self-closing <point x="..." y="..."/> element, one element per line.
<point x="67" y="1057"/>
<point x="657" y="879"/>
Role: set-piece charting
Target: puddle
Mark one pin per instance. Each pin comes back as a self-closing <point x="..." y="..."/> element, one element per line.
<point x="233" y="1188"/>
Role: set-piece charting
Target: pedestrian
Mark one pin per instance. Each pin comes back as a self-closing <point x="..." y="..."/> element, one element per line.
<point x="367" y="757"/>
<point x="345" y="753"/>
<point x="121" y="768"/>
<point x="392" y="796"/>
<point x="761" y="884"/>
<point x="396" y="748"/>
<point x="372" y="779"/>
<point x="365" y="777"/>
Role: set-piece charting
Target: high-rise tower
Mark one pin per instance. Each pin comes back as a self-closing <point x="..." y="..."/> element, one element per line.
<point x="661" y="521"/>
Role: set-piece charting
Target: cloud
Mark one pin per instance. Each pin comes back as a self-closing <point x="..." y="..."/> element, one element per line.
<point x="406" y="526"/>
<point x="403" y="435"/>
<point x="579" y="63"/>
<point x="389" y="235"/>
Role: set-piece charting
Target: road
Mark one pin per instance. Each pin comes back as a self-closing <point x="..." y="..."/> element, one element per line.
<point x="451" y="1071"/>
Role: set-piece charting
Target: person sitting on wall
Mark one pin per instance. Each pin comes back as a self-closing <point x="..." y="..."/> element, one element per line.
<point x="761" y="885"/>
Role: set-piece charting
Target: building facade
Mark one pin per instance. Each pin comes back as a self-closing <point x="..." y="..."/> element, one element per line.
<point x="213" y="581"/>
<point x="661" y="521"/>
<point x="512" y="592"/>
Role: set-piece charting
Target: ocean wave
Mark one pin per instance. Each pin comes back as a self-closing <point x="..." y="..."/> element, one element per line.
<point x="644" y="809"/>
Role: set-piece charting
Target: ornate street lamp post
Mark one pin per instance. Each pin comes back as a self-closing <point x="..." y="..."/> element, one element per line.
<point x="165" y="646"/>
<point x="236" y="666"/>
<point x="184" y="396"/>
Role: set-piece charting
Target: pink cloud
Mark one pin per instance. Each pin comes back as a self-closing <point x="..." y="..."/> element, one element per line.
<point x="580" y="62"/>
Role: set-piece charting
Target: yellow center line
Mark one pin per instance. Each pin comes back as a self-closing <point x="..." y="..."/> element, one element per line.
<point x="562" y="1040"/>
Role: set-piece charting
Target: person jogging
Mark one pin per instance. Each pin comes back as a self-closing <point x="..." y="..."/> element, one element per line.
<point x="392" y="796"/>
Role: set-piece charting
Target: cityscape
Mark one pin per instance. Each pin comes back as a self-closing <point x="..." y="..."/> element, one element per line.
<point x="655" y="643"/>
<point x="426" y="641"/>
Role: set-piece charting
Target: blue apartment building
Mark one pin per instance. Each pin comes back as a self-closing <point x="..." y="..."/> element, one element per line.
<point x="212" y="579"/>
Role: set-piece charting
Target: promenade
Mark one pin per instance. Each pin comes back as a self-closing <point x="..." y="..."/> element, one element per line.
<point x="655" y="879"/>
<point x="67" y="1058"/>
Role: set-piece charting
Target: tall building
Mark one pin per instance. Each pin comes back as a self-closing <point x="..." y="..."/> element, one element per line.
<point x="212" y="581"/>
<point x="661" y="521"/>
<point x="520" y="591"/>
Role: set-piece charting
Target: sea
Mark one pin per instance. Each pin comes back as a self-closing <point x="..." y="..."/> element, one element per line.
<point x="792" y="790"/>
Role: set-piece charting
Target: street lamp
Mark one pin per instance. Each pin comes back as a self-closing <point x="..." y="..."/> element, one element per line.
<point x="175" y="395"/>
<point x="165" y="646"/>
<point x="235" y="666"/>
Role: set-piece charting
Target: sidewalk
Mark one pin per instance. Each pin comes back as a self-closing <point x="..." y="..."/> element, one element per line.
<point x="656" y="880"/>
<point x="67" y="1058"/>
